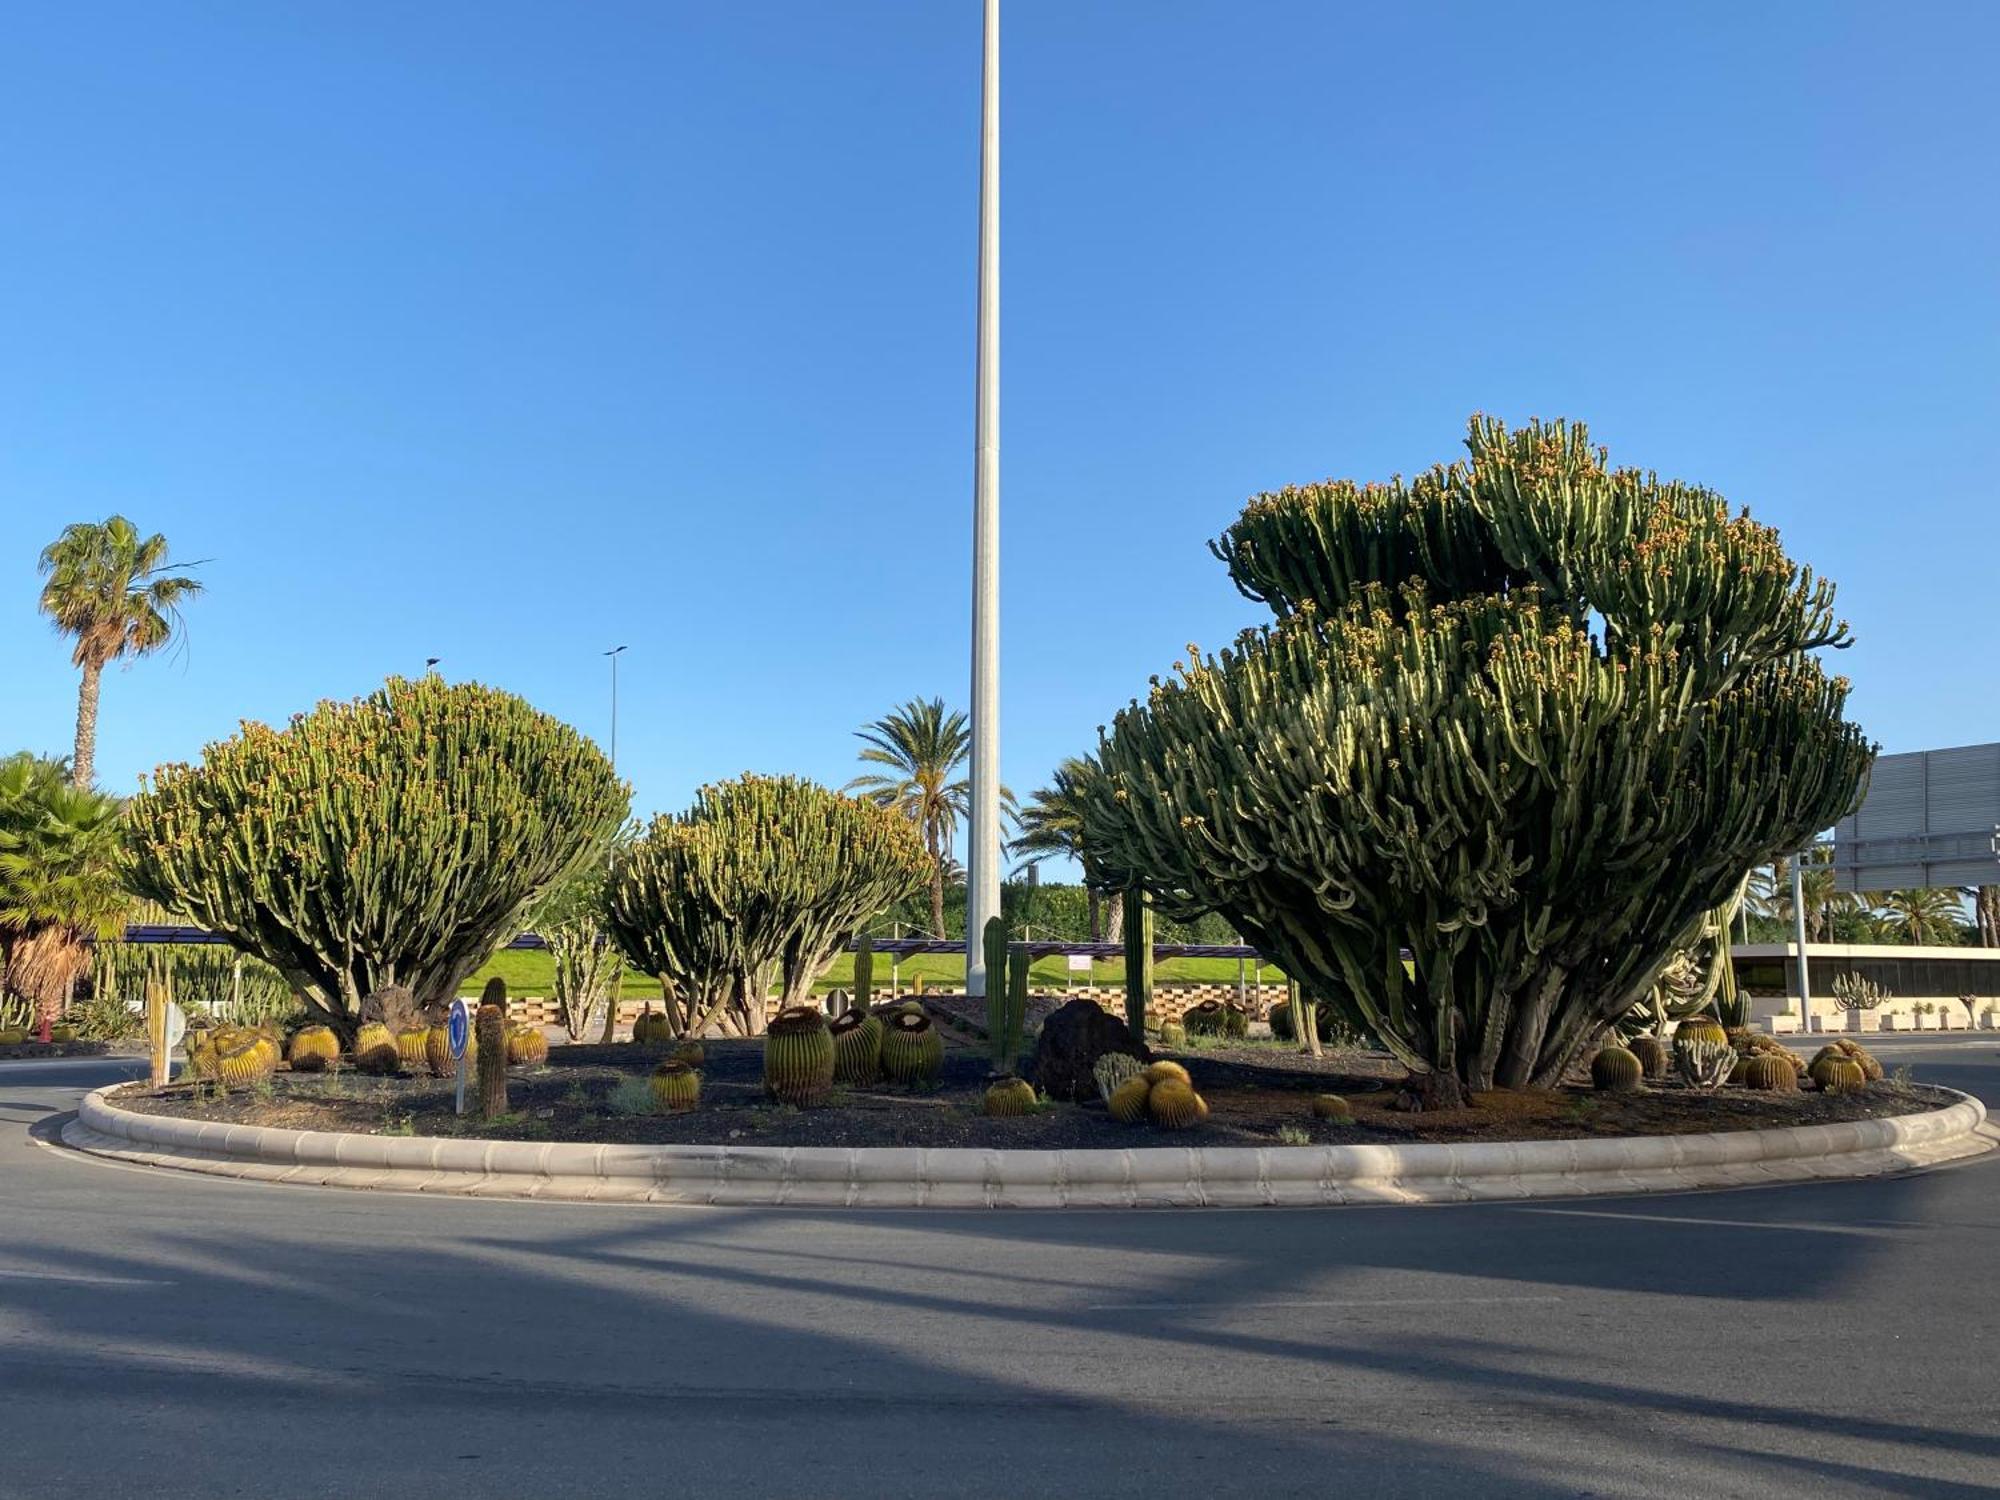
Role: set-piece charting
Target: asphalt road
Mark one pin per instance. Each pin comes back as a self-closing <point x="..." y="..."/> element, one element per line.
<point x="167" y="1334"/>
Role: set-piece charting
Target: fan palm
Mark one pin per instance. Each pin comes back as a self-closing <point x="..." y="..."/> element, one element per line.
<point x="60" y="879"/>
<point x="109" y="588"/>
<point x="922" y="750"/>
<point x="1051" y="827"/>
<point x="1769" y="894"/>
<point x="1926" y="915"/>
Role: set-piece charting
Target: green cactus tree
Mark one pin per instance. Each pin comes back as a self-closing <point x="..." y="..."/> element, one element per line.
<point x="394" y="840"/>
<point x="764" y="876"/>
<point x="1528" y="719"/>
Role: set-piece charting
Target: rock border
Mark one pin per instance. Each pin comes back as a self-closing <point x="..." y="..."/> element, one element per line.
<point x="1142" y="1177"/>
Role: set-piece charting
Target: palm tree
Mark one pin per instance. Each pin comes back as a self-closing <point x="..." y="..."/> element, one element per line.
<point x="924" y="748"/>
<point x="1926" y="915"/>
<point x="109" y="588"/>
<point x="1986" y="913"/>
<point x="60" y="880"/>
<point x="1051" y="826"/>
<point x="1769" y="894"/>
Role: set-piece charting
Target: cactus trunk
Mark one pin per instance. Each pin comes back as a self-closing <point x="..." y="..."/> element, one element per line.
<point x="1138" y="936"/>
<point x="490" y="1026"/>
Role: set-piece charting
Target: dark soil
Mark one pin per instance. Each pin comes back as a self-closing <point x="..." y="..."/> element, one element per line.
<point x="1253" y="1089"/>
<point x="53" y="1049"/>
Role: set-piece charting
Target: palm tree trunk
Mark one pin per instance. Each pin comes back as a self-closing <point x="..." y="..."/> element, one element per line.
<point x="83" y="763"/>
<point x="937" y="880"/>
<point x="1114" y="914"/>
<point x="1096" y="913"/>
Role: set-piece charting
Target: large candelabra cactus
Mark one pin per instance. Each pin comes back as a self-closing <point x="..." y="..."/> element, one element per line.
<point x="1527" y="719"/>
<point x="763" y="876"/>
<point x="393" y="840"/>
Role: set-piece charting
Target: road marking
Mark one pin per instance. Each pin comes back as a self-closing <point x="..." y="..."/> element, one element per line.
<point x="1219" y="1305"/>
<point x="82" y="1280"/>
<point x="1857" y="1231"/>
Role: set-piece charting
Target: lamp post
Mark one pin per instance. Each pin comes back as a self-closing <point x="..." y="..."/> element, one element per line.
<point x="614" y="653"/>
<point x="982" y="861"/>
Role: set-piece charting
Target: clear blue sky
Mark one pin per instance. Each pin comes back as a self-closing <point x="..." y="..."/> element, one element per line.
<point x="507" y="333"/>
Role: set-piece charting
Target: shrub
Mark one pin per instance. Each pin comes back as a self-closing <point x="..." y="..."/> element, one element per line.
<point x="397" y="839"/>
<point x="1529" y="719"/>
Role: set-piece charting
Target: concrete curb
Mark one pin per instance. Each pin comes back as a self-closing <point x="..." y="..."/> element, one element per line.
<point x="1144" y="1177"/>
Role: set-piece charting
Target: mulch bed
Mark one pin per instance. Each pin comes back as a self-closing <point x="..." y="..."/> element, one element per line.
<point x="1253" y="1089"/>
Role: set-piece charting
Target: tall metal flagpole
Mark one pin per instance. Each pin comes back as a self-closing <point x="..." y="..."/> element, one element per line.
<point x="982" y="863"/>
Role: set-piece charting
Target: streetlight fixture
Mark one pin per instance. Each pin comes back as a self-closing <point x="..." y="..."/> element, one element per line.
<point x="982" y="855"/>
<point x="614" y="654"/>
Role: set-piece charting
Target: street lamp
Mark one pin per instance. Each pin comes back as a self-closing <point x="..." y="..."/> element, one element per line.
<point x="614" y="653"/>
<point x="982" y="855"/>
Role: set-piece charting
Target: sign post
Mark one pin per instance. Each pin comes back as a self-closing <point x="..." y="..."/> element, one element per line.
<point x="1078" y="963"/>
<point x="457" y="1030"/>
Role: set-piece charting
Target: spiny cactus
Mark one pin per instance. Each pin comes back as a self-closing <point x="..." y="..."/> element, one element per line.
<point x="1615" y="671"/>
<point x="1331" y="1107"/>
<point x="912" y="1050"/>
<point x="1010" y="1096"/>
<point x="494" y="993"/>
<point x="1167" y="1070"/>
<point x="857" y="1048"/>
<point x="400" y="837"/>
<point x="489" y="1026"/>
<point x="1113" y="1069"/>
<point x="1652" y="1055"/>
<point x="676" y="1088"/>
<point x="798" y="1057"/>
<point x="1616" y="1070"/>
<point x="1175" y="1105"/>
<point x="413" y="1049"/>
<point x="1205" y="1018"/>
<point x="1704" y="1061"/>
<point x="1173" y="1034"/>
<point x="437" y="1053"/>
<point x="864" y="972"/>
<point x="1769" y="1073"/>
<point x="1838" y="1074"/>
<point x="650" y="1028"/>
<point x="1860" y="1054"/>
<point x="1739" y="1070"/>
<point x="1137" y="918"/>
<point x="13" y="1036"/>
<point x="245" y="1062"/>
<point x="1127" y="1103"/>
<point x="527" y="1047"/>
<point x="375" y="1048"/>
<point x="1701" y="1028"/>
<point x="62" y="1032"/>
<point x="690" y="1051"/>
<point x="314" y="1049"/>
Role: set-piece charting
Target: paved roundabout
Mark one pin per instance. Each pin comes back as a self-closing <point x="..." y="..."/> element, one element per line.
<point x="187" y="1334"/>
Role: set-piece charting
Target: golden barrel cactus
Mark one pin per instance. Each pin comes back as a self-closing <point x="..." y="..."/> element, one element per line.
<point x="1617" y="1070"/>
<point x="1166" y="1071"/>
<point x="1837" y="1073"/>
<point x="375" y="1048"/>
<point x="1652" y="1055"/>
<point x="1332" y="1107"/>
<point x="13" y="1036"/>
<point x="912" y="1050"/>
<point x="1700" y="1029"/>
<point x="314" y="1049"/>
<point x="413" y="1049"/>
<point x="1010" y="1096"/>
<point x="857" y="1048"/>
<point x="246" y="1062"/>
<point x="1770" y="1072"/>
<point x="1869" y="1066"/>
<point x="798" y="1057"/>
<point x="527" y="1047"/>
<point x="1173" y="1034"/>
<point x="651" y="1028"/>
<point x="1175" y="1105"/>
<point x="62" y="1033"/>
<point x="690" y="1051"/>
<point x="676" y="1088"/>
<point x="1127" y="1103"/>
<point x="437" y="1052"/>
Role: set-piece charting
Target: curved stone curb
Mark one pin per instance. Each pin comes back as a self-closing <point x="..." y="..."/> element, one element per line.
<point x="1144" y="1177"/>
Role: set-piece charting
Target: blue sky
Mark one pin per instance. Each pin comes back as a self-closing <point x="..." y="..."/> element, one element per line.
<point x="507" y="333"/>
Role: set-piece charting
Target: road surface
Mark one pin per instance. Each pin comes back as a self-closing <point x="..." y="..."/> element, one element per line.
<point x="170" y="1334"/>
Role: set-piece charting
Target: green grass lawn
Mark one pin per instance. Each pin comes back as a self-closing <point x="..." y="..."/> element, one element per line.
<point x="530" y="972"/>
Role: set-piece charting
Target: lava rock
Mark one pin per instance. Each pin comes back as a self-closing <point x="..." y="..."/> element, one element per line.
<point x="1070" y="1044"/>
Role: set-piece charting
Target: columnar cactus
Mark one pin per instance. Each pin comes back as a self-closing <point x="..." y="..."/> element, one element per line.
<point x="864" y="972"/>
<point x="798" y="1057"/>
<point x="313" y="1049"/>
<point x="1137" y="917"/>
<point x="1529" y="719"/>
<point x="912" y="1050"/>
<point x="490" y="1027"/>
<point x="1704" y="1062"/>
<point x="1111" y="1071"/>
<point x="857" y="1048"/>
<point x="1616" y="1070"/>
<point x="398" y="839"/>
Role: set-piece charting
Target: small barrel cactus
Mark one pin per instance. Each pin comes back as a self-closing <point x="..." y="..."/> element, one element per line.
<point x="1010" y="1096"/>
<point x="651" y="1028"/>
<point x="1204" y="1018"/>
<point x="1332" y="1107"/>
<point x="375" y="1048"/>
<point x="798" y="1057"/>
<point x="1700" y="1029"/>
<point x="1771" y="1073"/>
<point x="1836" y="1073"/>
<point x="314" y="1049"/>
<point x="1163" y="1070"/>
<point x="1127" y="1103"/>
<point x="689" y="1051"/>
<point x="1739" y="1070"/>
<point x="857" y="1048"/>
<point x="413" y="1049"/>
<point x="1175" y="1105"/>
<point x="527" y="1047"/>
<point x="912" y="1050"/>
<point x="1173" y="1034"/>
<point x="675" y="1087"/>
<point x="1617" y="1070"/>
<point x="1652" y="1055"/>
<point x="1279" y="1018"/>
<point x="1235" y="1021"/>
<point x="13" y="1036"/>
<point x="437" y="1052"/>
<point x="62" y="1033"/>
<point x="1862" y="1055"/>
<point x="246" y="1062"/>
